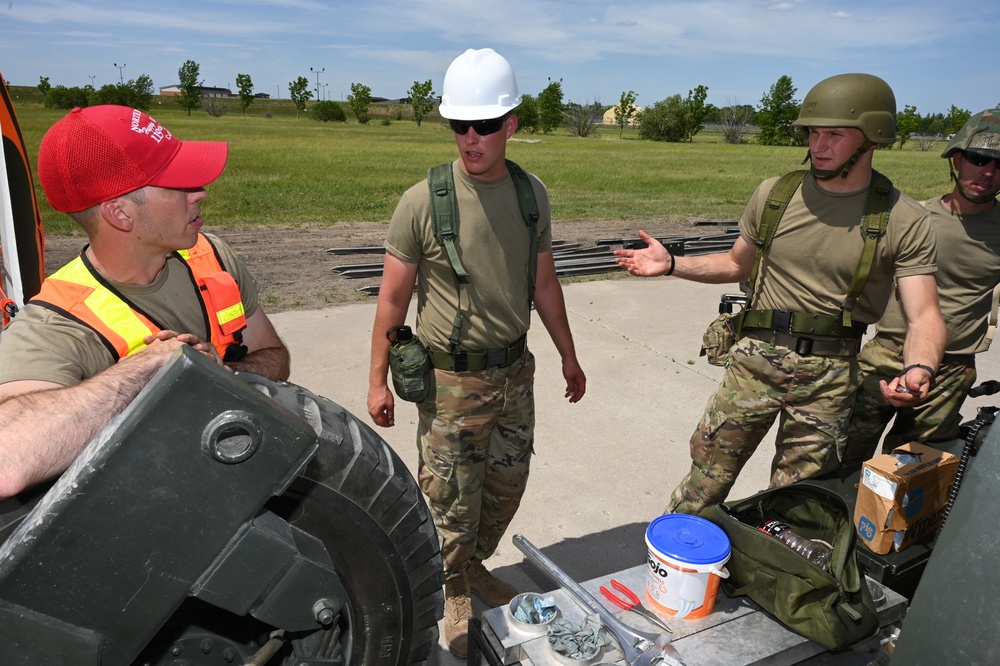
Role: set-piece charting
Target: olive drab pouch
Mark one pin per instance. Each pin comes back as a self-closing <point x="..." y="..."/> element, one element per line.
<point x="831" y="607"/>
<point x="409" y="365"/>
<point x="719" y="338"/>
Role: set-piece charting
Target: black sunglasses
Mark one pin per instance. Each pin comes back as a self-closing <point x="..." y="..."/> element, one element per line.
<point x="482" y="127"/>
<point x="981" y="160"/>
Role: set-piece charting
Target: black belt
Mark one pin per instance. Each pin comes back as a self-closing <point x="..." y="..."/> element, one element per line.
<point x="949" y="359"/>
<point x="807" y="346"/>
<point x="958" y="359"/>
<point x="478" y="360"/>
<point x="801" y="323"/>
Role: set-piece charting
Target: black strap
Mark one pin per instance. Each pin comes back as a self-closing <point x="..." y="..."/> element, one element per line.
<point x="529" y="213"/>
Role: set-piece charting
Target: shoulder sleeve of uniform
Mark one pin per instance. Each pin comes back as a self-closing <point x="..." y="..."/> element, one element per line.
<point x="410" y="227"/>
<point x="42" y="345"/>
<point x="911" y="237"/>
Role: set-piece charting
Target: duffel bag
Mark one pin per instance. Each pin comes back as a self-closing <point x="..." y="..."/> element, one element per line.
<point x="831" y="607"/>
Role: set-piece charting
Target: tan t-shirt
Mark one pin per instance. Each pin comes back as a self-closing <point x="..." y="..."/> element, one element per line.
<point x="493" y="243"/>
<point x="40" y="344"/>
<point x="968" y="249"/>
<point x="811" y="262"/>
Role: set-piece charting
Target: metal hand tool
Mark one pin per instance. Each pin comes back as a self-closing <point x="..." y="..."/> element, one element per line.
<point x="632" y="604"/>
<point x="639" y="647"/>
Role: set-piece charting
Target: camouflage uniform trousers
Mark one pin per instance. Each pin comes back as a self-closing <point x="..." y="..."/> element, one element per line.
<point x="935" y="420"/>
<point x="475" y="439"/>
<point x="813" y="396"/>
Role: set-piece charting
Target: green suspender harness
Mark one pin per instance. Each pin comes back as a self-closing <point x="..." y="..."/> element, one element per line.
<point x="444" y="217"/>
<point x="786" y="324"/>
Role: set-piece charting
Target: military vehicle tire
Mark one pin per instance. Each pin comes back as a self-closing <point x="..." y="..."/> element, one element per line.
<point x="357" y="497"/>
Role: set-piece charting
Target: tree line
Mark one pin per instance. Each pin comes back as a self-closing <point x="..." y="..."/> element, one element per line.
<point x="138" y="93"/>
<point x="676" y="118"/>
<point x="679" y="119"/>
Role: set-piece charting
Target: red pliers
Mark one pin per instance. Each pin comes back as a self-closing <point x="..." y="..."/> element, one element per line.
<point x="632" y="604"/>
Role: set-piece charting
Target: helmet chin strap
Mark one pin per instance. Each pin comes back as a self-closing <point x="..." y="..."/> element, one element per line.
<point x="842" y="171"/>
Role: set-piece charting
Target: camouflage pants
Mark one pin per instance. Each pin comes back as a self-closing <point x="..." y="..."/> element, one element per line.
<point x="935" y="420"/>
<point x="475" y="439"/>
<point x="811" y="394"/>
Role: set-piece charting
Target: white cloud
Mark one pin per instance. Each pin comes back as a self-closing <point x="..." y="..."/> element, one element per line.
<point x="657" y="47"/>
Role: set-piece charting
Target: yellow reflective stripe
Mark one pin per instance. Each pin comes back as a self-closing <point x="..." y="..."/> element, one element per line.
<point x="76" y="272"/>
<point x="226" y="315"/>
<point x="111" y="310"/>
<point x="119" y="317"/>
<point x="185" y="254"/>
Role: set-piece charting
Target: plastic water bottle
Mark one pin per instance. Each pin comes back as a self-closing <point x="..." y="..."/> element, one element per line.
<point x="817" y="552"/>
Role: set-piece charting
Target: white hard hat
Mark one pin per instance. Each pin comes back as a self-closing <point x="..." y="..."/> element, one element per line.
<point x="478" y="85"/>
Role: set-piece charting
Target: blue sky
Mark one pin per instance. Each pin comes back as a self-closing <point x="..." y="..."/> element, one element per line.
<point x="933" y="53"/>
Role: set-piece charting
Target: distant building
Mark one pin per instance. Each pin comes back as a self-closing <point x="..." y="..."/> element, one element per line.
<point x="173" y="91"/>
<point x="609" y="116"/>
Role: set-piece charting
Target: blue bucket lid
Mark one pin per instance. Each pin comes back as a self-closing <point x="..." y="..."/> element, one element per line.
<point x="688" y="538"/>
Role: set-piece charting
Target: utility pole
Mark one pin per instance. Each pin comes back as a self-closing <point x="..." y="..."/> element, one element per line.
<point x="318" y="72"/>
<point x="121" y="77"/>
<point x="92" y="77"/>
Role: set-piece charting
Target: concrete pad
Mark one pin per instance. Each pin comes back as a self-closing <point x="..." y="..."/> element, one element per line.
<point x="604" y="467"/>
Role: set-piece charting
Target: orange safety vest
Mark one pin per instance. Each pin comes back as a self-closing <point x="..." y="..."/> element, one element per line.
<point x="77" y="291"/>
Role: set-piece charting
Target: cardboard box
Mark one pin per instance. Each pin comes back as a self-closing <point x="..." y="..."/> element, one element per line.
<point x="902" y="495"/>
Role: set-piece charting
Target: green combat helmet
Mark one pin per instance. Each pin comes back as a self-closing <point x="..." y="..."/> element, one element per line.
<point x="980" y="134"/>
<point x="862" y="101"/>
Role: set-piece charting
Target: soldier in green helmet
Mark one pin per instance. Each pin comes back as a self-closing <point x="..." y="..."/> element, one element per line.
<point x="966" y="222"/>
<point x="795" y="359"/>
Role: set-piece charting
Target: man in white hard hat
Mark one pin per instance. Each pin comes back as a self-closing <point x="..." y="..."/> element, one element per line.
<point x="475" y="287"/>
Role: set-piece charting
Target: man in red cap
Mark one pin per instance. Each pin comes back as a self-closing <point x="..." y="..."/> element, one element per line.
<point x="148" y="282"/>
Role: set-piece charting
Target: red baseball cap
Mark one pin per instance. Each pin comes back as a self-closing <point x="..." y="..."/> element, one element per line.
<point x="95" y="154"/>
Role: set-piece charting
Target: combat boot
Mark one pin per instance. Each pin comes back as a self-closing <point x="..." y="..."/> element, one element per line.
<point x="457" y="612"/>
<point x="488" y="587"/>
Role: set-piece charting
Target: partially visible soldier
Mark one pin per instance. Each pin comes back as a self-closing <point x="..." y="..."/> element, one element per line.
<point x="797" y="357"/>
<point x="966" y="222"/>
<point x="148" y="281"/>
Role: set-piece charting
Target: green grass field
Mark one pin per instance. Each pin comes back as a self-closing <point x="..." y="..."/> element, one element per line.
<point x="284" y="170"/>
